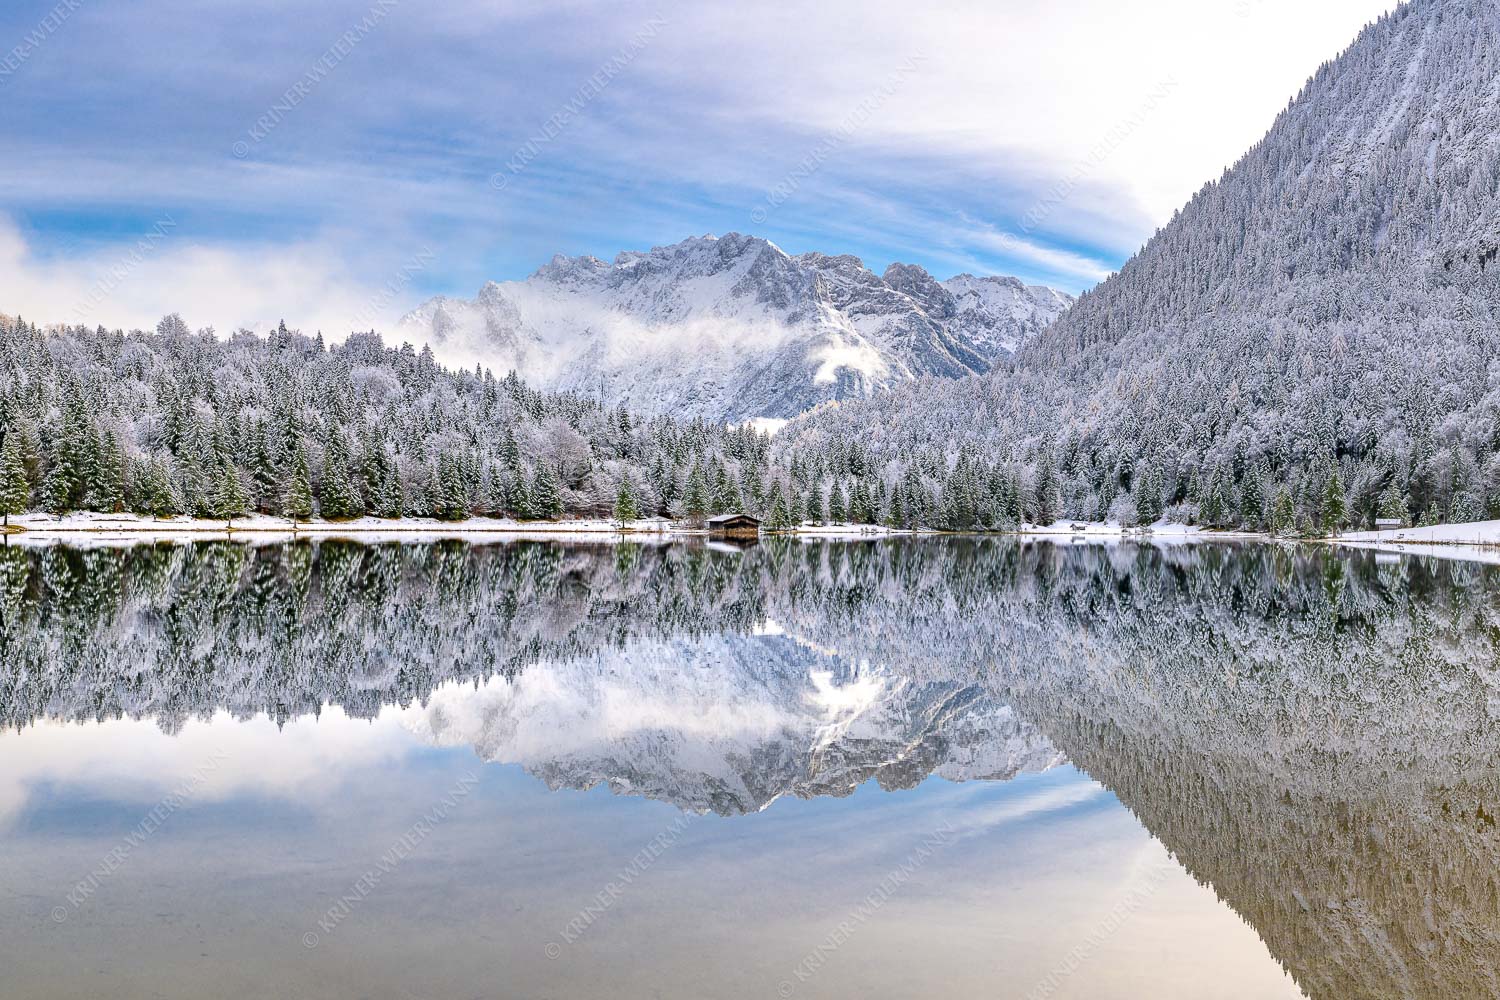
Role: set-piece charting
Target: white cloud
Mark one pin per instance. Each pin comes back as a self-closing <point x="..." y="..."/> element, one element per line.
<point x="133" y="285"/>
<point x="1176" y="89"/>
<point x="1077" y="126"/>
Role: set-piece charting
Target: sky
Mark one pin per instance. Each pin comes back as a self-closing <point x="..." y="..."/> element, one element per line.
<point x="336" y="163"/>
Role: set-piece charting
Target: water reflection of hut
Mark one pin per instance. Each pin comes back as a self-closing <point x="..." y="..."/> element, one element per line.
<point x="734" y="526"/>
<point x="732" y="544"/>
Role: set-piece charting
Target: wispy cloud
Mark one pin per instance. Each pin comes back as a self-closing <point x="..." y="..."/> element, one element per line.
<point x="396" y="139"/>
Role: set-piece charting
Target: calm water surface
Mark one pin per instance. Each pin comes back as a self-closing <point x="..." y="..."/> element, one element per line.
<point x="896" y="769"/>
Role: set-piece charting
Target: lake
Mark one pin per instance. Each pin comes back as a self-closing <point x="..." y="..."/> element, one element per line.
<point x="898" y="768"/>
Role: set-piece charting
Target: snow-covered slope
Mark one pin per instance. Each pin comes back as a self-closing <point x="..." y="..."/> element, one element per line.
<point x="733" y="328"/>
<point x="1330" y="301"/>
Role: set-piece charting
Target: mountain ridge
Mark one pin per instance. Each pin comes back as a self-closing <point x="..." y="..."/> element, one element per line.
<point x="1317" y="322"/>
<point x="733" y="328"/>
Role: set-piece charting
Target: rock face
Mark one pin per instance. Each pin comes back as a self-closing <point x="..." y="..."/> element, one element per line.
<point x="734" y="328"/>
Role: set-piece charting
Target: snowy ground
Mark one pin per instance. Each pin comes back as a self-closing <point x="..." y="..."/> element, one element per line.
<point x="1161" y="530"/>
<point x="1477" y="542"/>
<point x="131" y="524"/>
<point x="1478" y="533"/>
<point x="813" y="530"/>
<point x="112" y="524"/>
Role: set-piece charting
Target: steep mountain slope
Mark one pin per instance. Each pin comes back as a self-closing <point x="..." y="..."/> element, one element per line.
<point x="734" y="328"/>
<point x="1330" y="302"/>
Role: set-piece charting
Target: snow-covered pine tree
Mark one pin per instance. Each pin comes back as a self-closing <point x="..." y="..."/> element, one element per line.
<point x="627" y="502"/>
<point x="15" y="490"/>
<point x="546" y="494"/>
<point x="1335" y="511"/>
<point x="1283" y="512"/>
<point x="297" y="503"/>
<point x="1393" y="504"/>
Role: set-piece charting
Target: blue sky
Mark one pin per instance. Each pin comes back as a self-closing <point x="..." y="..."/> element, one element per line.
<point x="240" y="161"/>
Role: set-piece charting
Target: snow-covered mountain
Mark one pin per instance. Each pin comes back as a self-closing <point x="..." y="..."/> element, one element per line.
<point x="1329" y="302"/>
<point x="733" y="328"/>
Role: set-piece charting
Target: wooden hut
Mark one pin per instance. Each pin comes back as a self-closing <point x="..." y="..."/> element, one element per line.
<point x="734" y="526"/>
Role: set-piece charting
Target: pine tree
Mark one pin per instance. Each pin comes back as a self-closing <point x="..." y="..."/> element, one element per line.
<point x="57" y="492"/>
<point x="1335" y="510"/>
<point x="15" y="490"/>
<point x="521" y="505"/>
<point x="230" y="499"/>
<point x="1214" y="510"/>
<point x="1283" y="512"/>
<point x="695" y="499"/>
<point x="297" y="504"/>
<point x="1048" y="500"/>
<point x="837" y="511"/>
<point x="726" y="499"/>
<point x="1252" y="499"/>
<point x="450" y="496"/>
<point x="627" y="503"/>
<point x="546" y="494"/>
<point x="1393" y="504"/>
<point x="158" y="493"/>
<point x="860" y="504"/>
<point x="338" y="496"/>
<point x="778" y="517"/>
<point x="265" y="477"/>
<point x="110" y="473"/>
<point x="898" y="515"/>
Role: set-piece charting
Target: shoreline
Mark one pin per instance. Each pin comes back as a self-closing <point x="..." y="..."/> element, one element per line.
<point x="94" y="525"/>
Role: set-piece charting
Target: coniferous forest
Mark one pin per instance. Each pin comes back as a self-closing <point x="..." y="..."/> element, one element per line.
<point x="173" y="422"/>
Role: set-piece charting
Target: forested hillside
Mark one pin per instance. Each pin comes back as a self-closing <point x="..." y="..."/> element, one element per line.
<point x="1316" y="331"/>
<point x="172" y="422"/>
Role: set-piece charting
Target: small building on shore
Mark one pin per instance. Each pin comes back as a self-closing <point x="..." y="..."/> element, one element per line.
<point x="734" y="526"/>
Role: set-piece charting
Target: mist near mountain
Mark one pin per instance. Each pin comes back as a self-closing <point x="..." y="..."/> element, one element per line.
<point x="733" y="328"/>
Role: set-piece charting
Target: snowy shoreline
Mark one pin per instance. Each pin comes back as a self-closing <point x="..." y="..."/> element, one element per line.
<point x="95" y="524"/>
<point x="131" y="525"/>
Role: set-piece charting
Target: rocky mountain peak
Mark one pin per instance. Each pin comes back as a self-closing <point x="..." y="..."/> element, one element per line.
<point x="726" y="328"/>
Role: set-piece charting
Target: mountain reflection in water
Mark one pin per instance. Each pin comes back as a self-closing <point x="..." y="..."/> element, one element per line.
<point x="1310" y="733"/>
